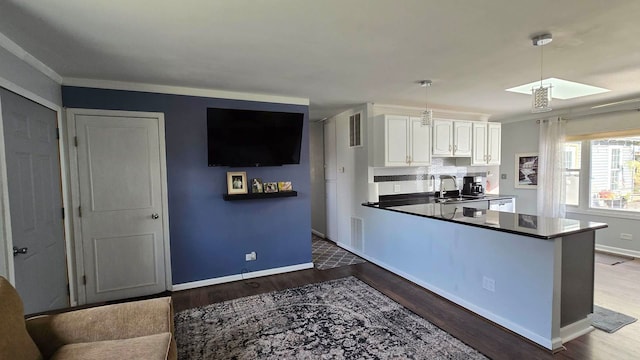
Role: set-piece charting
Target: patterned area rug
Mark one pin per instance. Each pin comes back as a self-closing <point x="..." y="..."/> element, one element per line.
<point x="327" y="255"/>
<point x="339" y="319"/>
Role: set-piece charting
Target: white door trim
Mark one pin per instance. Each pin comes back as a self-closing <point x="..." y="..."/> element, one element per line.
<point x="75" y="189"/>
<point x="4" y="191"/>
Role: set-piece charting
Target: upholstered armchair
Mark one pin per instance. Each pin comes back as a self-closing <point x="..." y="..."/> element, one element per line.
<point x="133" y="330"/>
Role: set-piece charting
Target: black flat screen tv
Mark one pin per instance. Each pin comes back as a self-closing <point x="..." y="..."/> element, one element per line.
<point x="253" y="138"/>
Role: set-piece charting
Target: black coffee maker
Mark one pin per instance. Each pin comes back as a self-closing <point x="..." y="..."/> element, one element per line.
<point x="472" y="186"/>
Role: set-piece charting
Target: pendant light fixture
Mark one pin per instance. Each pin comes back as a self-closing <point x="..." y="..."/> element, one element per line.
<point x="541" y="101"/>
<point x="427" y="114"/>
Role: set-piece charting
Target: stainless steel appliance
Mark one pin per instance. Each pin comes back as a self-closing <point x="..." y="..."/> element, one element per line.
<point x="472" y="186"/>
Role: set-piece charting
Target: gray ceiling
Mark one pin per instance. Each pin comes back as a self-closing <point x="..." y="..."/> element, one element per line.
<point x="339" y="53"/>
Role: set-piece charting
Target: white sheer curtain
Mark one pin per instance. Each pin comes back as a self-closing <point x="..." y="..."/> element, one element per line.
<point x="551" y="181"/>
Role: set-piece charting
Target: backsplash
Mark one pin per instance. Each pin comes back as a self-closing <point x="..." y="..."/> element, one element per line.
<point x="393" y="181"/>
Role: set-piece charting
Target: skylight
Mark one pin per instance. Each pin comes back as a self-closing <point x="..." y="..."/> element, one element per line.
<point x="561" y="89"/>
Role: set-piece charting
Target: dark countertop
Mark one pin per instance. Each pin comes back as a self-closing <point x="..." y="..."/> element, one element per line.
<point x="515" y="223"/>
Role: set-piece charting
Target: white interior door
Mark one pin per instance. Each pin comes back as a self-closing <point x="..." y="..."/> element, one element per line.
<point x="330" y="175"/>
<point x="35" y="202"/>
<point x="121" y="212"/>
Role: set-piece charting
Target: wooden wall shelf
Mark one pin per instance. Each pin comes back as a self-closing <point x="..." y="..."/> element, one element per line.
<point x="234" y="197"/>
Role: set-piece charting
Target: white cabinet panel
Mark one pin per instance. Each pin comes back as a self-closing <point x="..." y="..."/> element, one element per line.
<point x="462" y="138"/>
<point x="402" y="141"/>
<point x="494" y="138"/>
<point x="397" y="134"/>
<point x="451" y="138"/>
<point x="442" y="137"/>
<point x="486" y="143"/>
<point x="420" y="144"/>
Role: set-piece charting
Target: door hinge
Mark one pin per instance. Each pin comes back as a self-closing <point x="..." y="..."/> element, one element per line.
<point x="75" y="141"/>
<point x="58" y="133"/>
<point x="84" y="279"/>
<point x="80" y="211"/>
<point x="62" y="213"/>
<point x="68" y="290"/>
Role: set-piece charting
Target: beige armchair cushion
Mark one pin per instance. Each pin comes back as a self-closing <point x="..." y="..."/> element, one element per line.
<point x="152" y="347"/>
<point x="103" y="323"/>
<point x="14" y="339"/>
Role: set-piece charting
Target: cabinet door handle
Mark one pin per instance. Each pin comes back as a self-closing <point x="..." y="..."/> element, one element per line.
<point x="489" y="157"/>
<point x="455" y="148"/>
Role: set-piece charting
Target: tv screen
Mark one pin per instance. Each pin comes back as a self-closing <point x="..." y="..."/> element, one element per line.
<point x="253" y="138"/>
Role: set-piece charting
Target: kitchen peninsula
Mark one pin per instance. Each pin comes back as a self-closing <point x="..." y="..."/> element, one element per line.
<point x="530" y="274"/>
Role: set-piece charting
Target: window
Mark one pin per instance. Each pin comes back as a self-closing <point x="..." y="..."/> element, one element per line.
<point x="615" y="173"/>
<point x="572" y="162"/>
<point x="355" y="131"/>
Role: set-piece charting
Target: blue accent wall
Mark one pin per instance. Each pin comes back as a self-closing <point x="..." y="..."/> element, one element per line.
<point x="210" y="236"/>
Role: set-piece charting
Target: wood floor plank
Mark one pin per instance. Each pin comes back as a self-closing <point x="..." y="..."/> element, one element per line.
<point x="617" y="287"/>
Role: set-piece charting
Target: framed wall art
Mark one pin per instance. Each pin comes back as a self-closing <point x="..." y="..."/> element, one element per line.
<point x="526" y="176"/>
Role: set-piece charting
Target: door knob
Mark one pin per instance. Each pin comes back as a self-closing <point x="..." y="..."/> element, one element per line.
<point x="155" y="216"/>
<point x="17" y="251"/>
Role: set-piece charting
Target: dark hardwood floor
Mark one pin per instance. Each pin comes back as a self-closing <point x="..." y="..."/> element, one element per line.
<point x="483" y="335"/>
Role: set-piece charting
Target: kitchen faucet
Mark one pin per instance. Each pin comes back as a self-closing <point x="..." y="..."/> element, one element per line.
<point x="443" y="189"/>
<point x="433" y="183"/>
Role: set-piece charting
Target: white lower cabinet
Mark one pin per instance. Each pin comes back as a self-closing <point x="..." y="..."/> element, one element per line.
<point x="401" y="141"/>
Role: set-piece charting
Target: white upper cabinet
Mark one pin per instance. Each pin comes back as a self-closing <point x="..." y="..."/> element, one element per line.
<point x="401" y="141"/>
<point x="452" y="138"/>
<point x="462" y="138"/>
<point x="486" y="143"/>
<point x="494" y="139"/>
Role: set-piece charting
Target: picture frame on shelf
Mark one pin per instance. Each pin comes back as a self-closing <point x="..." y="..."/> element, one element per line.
<point x="271" y="187"/>
<point x="526" y="176"/>
<point x="236" y="182"/>
<point x="256" y="186"/>
<point x="285" y="186"/>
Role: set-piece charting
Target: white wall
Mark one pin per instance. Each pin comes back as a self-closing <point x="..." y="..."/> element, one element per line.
<point x="518" y="137"/>
<point x="316" y="159"/>
<point x="22" y="78"/>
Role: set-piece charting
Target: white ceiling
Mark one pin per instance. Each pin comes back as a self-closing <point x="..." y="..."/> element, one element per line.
<point x="339" y="53"/>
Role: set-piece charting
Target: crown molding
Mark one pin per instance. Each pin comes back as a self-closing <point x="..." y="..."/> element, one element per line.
<point x="23" y="55"/>
<point x="181" y="90"/>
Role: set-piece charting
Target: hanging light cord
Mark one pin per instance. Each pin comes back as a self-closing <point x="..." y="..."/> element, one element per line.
<point x="426" y="102"/>
<point x="541" y="60"/>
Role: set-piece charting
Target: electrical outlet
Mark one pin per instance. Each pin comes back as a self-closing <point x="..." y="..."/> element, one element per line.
<point x="488" y="284"/>
<point x="625" y="236"/>
<point x="396" y="187"/>
<point x="250" y="256"/>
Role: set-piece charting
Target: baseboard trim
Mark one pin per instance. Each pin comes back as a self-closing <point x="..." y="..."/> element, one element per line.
<point x="617" y="251"/>
<point x="317" y="233"/>
<point x="575" y="330"/>
<point x="280" y="270"/>
<point x="236" y="277"/>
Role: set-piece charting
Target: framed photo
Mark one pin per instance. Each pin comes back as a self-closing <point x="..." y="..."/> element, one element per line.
<point x="271" y="187"/>
<point x="284" y="186"/>
<point x="236" y="182"/>
<point x="526" y="176"/>
<point x="256" y="186"/>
